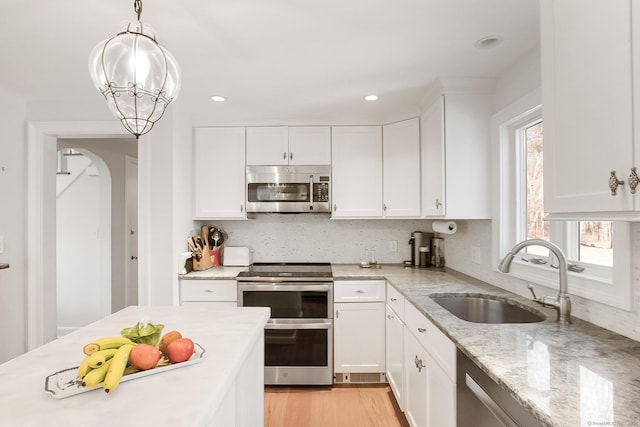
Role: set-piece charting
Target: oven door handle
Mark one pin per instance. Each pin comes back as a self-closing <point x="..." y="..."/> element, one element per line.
<point x="264" y="286"/>
<point x="298" y="325"/>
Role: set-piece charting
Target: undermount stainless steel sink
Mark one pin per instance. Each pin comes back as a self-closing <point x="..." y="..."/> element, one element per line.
<point x="486" y="309"/>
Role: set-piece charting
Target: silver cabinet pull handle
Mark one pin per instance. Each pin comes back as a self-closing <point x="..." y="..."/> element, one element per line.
<point x="394" y="299"/>
<point x="633" y="180"/>
<point x="419" y="364"/>
<point x="284" y="156"/>
<point x="209" y="290"/>
<point x="438" y="204"/>
<point x="335" y="207"/>
<point x="241" y="208"/>
<point x="422" y="330"/>
<point x="290" y="156"/>
<point x="614" y="182"/>
<point x="359" y="291"/>
<point x="389" y="316"/>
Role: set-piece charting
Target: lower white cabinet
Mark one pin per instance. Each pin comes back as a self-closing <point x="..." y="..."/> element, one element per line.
<point x="429" y="364"/>
<point x="212" y="293"/>
<point x="359" y="331"/>
<point x="395" y="355"/>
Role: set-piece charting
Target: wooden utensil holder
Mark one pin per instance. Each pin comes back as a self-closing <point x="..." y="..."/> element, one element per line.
<point x="204" y="263"/>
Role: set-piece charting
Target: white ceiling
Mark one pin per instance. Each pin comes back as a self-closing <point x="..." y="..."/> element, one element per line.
<point x="276" y="61"/>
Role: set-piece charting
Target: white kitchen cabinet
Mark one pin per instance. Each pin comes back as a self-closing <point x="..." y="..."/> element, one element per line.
<point x="310" y="145"/>
<point x="213" y="293"/>
<point x="282" y="145"/>
<point x="455" y="143"/>
<point x="356" y="170"/>
<point x="219" y="173"/>
<point x="359" y="330"/>
<point x="430" y="373"/>
<point x="401" y="169"/>
<point x="590" y="60"/>
<point x="394" y="344"/>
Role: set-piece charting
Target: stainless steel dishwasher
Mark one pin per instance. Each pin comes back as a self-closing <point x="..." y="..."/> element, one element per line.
<point x="483" y="403"/>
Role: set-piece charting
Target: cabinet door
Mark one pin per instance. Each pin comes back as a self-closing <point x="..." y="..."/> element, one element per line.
<point x="430" y="399"/>
<point x="358" y="337"/>
<point x="219" y="173"/>
<point x="587" y="98"/>
<point x="395" y="355"/>
<point x="401" y="169"/>
<point x="416" y="381"/>
<point x="432" y="159"/>
<point x="356" y="170"/>
<point x="310" y="145"/>
<point x="267" y="145"/>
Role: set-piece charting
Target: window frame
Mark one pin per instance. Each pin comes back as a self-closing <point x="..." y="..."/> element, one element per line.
<point x="611" y="286"/>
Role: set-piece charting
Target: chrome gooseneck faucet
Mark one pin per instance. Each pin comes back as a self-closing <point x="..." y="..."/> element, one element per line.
<point x="561" y="303"/>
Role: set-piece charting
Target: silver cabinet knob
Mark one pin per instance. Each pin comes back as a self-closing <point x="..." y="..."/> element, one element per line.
<point x="633" y="180"/>
<point x="614" y="182"/>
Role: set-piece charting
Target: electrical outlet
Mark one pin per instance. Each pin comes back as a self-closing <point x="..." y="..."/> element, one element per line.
<point x="475" y="255"/>
<point x="393" y="246"/>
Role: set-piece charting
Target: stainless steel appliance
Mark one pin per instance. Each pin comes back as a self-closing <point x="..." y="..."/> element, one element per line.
<point x="288" y="189"/>
<point x="437" y="252"/>
<point x="481" y="402"/>
<point x="299" y="334"/>
<point x="419" y="240"/>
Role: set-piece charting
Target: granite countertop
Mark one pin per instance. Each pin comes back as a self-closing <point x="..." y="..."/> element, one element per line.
<point x="186" y="396"/>
<point x="568" y="375"/>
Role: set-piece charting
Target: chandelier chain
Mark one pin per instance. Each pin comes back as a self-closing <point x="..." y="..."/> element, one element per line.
<point x="137" y="7"/>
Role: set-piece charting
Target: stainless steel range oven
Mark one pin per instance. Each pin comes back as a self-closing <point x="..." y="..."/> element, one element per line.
<point x="299" y="334"/>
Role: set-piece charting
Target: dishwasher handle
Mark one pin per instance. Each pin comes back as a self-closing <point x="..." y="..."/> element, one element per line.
<point x="487" y="401"/>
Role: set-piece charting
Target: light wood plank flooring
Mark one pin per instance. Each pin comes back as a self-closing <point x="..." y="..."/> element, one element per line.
<point x="345" y="405"/>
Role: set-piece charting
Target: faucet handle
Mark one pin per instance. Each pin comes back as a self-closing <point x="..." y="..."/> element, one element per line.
<point x="530" y="287"/>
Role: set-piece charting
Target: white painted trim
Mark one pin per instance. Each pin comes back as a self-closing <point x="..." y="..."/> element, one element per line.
<point x="41" y="313"/>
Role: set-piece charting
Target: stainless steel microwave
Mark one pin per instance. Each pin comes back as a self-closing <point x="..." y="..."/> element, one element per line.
<point x="288" y="189"/>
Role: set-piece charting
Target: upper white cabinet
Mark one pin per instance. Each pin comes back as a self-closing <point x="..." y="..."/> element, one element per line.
<point x="590" y="84"/>
<point x="401" y="169"/>
<point x="282" y="145"/>
<point x="219" y="152"/>
<point x="356" y="170"/>
<point x="454" y="133"/>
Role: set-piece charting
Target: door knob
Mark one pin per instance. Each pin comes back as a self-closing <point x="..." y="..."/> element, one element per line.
<point x="133" y="257"/>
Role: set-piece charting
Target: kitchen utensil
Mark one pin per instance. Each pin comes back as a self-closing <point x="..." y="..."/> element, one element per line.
<point x="205" y="236"/>
<point x="216" y="238"/>
<point x="212" y="231"/>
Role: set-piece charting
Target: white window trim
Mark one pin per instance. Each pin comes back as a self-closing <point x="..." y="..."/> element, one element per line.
<point x="615" y="290"/>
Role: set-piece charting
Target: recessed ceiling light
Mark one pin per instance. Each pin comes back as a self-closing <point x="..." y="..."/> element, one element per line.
<point x="371" y="97"/>
<point x="217" y="98"/>
<point x="488" y="42"/>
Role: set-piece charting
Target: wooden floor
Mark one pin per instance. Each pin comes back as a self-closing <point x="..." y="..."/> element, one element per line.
<point x="345" y="405"/>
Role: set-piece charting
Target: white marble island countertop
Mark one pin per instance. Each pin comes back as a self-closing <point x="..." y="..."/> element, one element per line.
<point x="187" y="396"/>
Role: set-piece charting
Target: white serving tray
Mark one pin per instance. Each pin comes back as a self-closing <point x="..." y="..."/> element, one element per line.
<point x="65" y="383"/>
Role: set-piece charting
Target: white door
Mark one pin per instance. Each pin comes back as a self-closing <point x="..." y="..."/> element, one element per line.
<point x="432" y="140"/>
<point x="131" y="230"/>
<point x="268" y="145"/>
<point x="358" y="337"/>
<point x="401" y="169"/>
<point x="310" y="145"/>
<point x="356" y="170"/>
<point x="587" y="98"/>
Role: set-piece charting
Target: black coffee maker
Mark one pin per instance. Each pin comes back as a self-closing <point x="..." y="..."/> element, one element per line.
<point x="420" y="247"/>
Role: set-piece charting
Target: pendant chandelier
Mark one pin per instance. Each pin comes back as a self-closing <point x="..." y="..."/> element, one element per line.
<point x="137" y="76"/>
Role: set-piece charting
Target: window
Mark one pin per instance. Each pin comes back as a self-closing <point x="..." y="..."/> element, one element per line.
<point x="588" y="245"/>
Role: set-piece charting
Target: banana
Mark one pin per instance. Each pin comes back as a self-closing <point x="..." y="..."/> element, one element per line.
<point x="84" y="368"/>
<point x="96" y="376"/>
<point x="99" y="357"/>
<point x="117" y="367"/>
<point x="104" y="344"/>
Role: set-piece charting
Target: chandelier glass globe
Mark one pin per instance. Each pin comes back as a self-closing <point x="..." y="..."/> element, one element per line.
<point x="138" y="77"/>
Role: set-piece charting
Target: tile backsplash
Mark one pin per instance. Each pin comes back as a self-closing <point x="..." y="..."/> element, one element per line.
<point x="316" y="238"/>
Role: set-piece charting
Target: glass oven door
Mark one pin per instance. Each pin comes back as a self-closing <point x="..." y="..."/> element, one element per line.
<point x="298" y="343"/>
<point x="289" y="301"/>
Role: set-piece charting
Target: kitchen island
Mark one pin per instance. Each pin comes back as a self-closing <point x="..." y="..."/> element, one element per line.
<point x="225" y="388"/>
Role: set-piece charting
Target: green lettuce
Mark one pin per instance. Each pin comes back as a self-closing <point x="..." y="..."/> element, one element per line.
<point x="143" y="333"/>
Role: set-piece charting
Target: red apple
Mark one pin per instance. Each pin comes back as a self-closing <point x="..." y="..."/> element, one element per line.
<point x="144" y="356"/>
<point x="180" y="350"/>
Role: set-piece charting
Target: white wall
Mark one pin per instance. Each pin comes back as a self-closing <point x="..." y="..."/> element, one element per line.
<point x="12" y="224"/>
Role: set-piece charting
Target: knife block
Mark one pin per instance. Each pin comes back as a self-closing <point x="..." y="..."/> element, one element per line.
<point x="204" y="263"/>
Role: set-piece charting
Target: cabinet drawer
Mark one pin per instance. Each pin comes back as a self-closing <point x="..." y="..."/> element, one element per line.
<point x="359" y="291"/>
<point x="208" y="290"/>
<point x="395" y="300"/>
<point x="439" y="346"/>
